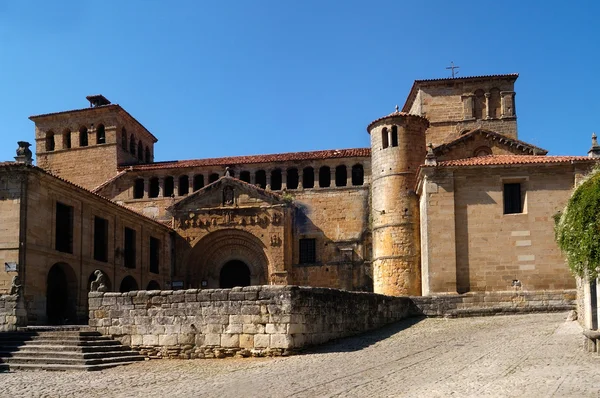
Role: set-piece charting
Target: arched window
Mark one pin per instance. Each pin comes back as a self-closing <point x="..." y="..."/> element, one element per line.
<point x="292" y="178"/>
<point x="324" y="177"/>
<point x="212" y="178"/>
<point x="245" y="176"/>
<point x="128" y="284"/>
<point x="154" y="188"/>
<point x="184" y="185"/>
<point x="124" y="139"/>
<point x="153" y="285"/>
<point x="169" y="187"/>
<point x="260" y="179"/>
<point x="100" y="134"/>
<point x="384" y="138"/>
<point x="66" y="136"/>
<point x="138" y="188"/>
<point x="308" y="177"/>
<point x="276" y="180"/>
<point x="341" y="176"/>
<point x="358" y="175"/>
<point x="198" y="181"/>
<point x="83" y="136"/>
<point x="132" y="144"/>
<point x="148" y="157"/>
<point x="479" y="104"/>
<point x="140" y="151"/>
<point x="495" y="103"/>
<point x="49" y="141"/>
<point x="394" y="135"/>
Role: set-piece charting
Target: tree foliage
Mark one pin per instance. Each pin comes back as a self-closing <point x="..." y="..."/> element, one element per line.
<point x="577" y="228"/>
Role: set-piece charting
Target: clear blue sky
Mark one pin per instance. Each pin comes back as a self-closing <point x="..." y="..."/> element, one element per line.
<point x="239" y="77"/>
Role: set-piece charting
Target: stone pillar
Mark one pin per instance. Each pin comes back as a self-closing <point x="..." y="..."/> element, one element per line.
<point x="161" y="186"/>
<point x="487" y="106"/>
<point x="175" y="186"/>
<point x="332" y="176"/>
<point x="468" y="106"/>
<point x="191" y="183"/>
<point x="300" y="178"/>
<point x="268" y="177"/>
<point x="146" y="187"/>
<point x="253" y="178"/>
<point x="283" y="179"/>
<point x="348" y="176"/>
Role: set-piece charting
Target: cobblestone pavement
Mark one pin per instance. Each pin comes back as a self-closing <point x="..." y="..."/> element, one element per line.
<point x="536" y="355"/>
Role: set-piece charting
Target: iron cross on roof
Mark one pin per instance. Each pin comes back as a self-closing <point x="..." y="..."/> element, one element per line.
<point x="452" y="67"/>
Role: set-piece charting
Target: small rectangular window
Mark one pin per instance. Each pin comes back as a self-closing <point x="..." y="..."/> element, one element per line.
<point x="64" y="228"/>
<point x="308" y="251"/>
<point x="100" y="239"/>
<point x="513" y="201"/>
<point x="129" y="251"/>
<point x="154" y="255"/>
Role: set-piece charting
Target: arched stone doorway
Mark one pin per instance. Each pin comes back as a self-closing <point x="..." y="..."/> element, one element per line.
<point x="128" y="284"/>
<point x="234" y="273"/>
<point x="240" y="254"/>
<point x="153" y="285"/>
<point x="61" y="295"/>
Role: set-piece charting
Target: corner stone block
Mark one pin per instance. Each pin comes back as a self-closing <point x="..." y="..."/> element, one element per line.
<point x="280" y="341"/>
<point x="261" y="340"/>
<point x="150" y="339"/>
<point x="230" y="340"/>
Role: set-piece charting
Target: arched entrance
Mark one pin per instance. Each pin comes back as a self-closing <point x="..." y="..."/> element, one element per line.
<point x="153" y="285"/>
<point x="224" y="255"/>
<point x="61" y="295"/>
<point x="234" y="273"/>
<point x="128" y="284"/>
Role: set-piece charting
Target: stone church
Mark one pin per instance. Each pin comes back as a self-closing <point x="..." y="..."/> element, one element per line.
<point x="446" y="200"/>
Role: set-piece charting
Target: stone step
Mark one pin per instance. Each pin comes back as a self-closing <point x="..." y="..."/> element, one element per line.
<point x="67" y="354"/>
<point x="66" y="343"/>
<point x="62" y="348"/>
<point x="52" y="360"/>
<point x="57" y="367"/>
<point x="52" y="336"/>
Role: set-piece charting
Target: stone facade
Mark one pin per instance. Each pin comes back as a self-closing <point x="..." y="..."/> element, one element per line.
<point x="254" y="320"/>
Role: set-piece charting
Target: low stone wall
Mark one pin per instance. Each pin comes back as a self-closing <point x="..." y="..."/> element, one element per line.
<point x="12" y="313"/>
<point x="492" y="303"/>
<point x="254" y="320"/>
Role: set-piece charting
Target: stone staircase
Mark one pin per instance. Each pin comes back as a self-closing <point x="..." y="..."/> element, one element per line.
<point x="62" y="348"/>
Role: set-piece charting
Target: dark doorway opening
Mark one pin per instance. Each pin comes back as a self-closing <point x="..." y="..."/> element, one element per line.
<point x="234" y="273"/>
<point x="128" y="284"/>
<point x="61" y="295"/>
<point x="153" y="285"/>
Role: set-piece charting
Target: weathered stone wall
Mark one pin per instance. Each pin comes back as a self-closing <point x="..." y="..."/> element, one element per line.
<point x="492" y="303"/>
<point x="12" y="312"/>
<point x="254" y="320"/>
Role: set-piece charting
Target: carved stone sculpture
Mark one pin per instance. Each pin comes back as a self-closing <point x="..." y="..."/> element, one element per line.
<point x="99" y="284"/>
<point x="15" y="285"/>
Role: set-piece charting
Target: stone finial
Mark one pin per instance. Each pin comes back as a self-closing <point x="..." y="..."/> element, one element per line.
<point x="594" y="151"/>
<point x="227" y="174"/>
<point x="24" y="154"/>
<point x="430" y="159"/>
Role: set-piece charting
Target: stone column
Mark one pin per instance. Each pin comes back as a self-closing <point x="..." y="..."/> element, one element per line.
<point x="316" y="177"/>
<point x="175" y="186"/>
<point x="507" y="103"/>
<point x="300" y="178"/>
<point x="332" y="175"/>
<point x="487" y="105"/>
<point x="191" y="183"/>
<point x="161" y="186"/>
<point x="283" y="179"/>
<point x="253" y="177"/>
<point x="268" y="177"/>
<point x="146" y="187"/>
<point x="348" y="176"/>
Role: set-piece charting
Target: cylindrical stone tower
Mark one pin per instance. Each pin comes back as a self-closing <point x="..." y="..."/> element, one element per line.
<point x="397" y="151"/>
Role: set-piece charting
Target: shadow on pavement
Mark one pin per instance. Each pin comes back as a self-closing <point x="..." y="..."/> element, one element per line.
<point x="363" y="340"/>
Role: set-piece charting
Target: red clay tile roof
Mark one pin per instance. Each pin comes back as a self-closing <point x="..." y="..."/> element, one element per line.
<point x="253" y="159"/>
<point x="510" y="160"/>
<point x="394" y="114"/>
<point x="532" y="149"/>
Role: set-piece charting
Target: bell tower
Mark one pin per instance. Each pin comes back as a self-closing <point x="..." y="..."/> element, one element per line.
<point x="397" y="151"/>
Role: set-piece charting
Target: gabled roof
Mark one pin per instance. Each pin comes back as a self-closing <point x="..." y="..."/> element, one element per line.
<point x="231" y="181"/>
<point x="237" y="160"/>
<point x="527" y="149"/>
<point x="513" y="160"/>
<point x="430" y="82"/>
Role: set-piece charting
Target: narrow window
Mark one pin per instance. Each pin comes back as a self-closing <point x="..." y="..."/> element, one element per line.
<point x="138" y="188"/>
<point x="132" y="145"/>
<point x="358" y="175"/>
<point x="154" y="188"/>
<point x="64" y="228"/>
<point x="129" y="244"/>
<point x="100" y="239"/>
<point x="308" y="252"/>
<point x="292" y="179"/>
<point x="512" y="198"/>
<point x="66" y="139"/>
<point x="308" y="177"/>
<point x="148" y="157"/>
<point x="276" y="180"/>
<point x="169" y="187"/>
<point x="212" y="178"/>
<point x="124" y="139"/>
<point x="140" y="151"/>
<point x="245" y="176"/>
<point x="341" y="176"/>
<point x="394" y="135"/>
<point x="83" y="136"/>
<point x="154" y="255"/>
<point x="384" y="138"/>
<point x="198" y="181"/>
<point x="324" y="177"/>
<point x="49" y="141"/>
<point x="100" y="134"/>
<point x="184" y="185"/>
<point x="261" y="179"/>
